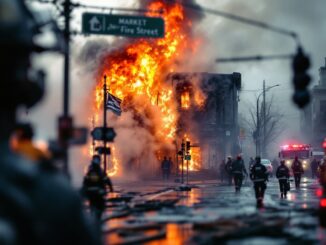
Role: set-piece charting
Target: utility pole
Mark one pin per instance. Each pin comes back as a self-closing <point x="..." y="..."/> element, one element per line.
<point x="264" y="120"/>
<point x="66" y="121"/>
<point x="67" y="12"/>
<point x="258" y="129"/>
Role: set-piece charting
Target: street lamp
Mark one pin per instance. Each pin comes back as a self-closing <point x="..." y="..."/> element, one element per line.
<point x="257" y="135"/>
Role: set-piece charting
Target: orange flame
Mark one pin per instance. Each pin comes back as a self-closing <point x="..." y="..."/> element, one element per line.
<point x="185" y="100"/>
<point x="137" y="70"/>
<point x="195" y="153"/>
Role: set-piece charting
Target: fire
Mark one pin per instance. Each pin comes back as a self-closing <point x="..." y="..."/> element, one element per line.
<point x="185" y="100"/>
<point x="195" y="153"/>
<point x="114" y="169"/>
<point x="137" y="70"/>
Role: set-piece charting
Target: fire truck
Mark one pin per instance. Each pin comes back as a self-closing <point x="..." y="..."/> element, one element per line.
<point x="302" y="151"/>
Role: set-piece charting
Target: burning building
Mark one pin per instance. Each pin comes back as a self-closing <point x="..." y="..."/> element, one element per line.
<point x="208" y="115"/>
<point x="157" y="108"/>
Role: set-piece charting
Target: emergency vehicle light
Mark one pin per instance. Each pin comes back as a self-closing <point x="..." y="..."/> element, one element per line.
<point x="323" y="203"/>
<point x="324" y="144"/>
<point x="296" y="147"/>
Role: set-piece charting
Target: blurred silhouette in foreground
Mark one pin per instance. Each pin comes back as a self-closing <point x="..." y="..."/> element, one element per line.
<point x="37" y="206"/>
<point x="21" y="142"/>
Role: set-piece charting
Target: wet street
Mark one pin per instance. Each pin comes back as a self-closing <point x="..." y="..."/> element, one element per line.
<point x="157" y="212"/>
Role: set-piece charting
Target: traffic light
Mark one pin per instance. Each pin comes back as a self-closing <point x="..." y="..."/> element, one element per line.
<point x="301" y="79"/>
<point x="187" y="146"/>
<point x="65" y="128"/>
<point x="183" y="147"/>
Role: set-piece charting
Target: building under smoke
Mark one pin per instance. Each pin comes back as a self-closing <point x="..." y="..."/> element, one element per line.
<point x="208" y="106"/>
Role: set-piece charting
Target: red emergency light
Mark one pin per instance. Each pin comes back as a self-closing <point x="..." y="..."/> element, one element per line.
<point x="296" y="147"/>
<point x="324" y="144"/>
<point x="323" y="203"/>
<point x="319" y="192"/>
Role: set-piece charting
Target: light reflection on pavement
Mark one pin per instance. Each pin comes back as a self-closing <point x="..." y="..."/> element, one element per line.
<point x="211" y="201"/>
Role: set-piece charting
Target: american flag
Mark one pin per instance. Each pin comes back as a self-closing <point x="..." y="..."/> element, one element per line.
<point x="114" y="104"/>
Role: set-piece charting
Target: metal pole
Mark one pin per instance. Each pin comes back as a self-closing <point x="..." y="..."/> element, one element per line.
<point x="182" y="171"/>
<point x="257" y="129"/>
<point x="264" y="120"/>
<point x="104" y="122"/>
<point x="67" y="11"/>
<point x="93" y="141"/>
<point x="187" y="171"/>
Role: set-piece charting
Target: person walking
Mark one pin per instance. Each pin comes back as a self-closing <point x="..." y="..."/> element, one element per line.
<point x="238" y="169"/>
<point x="314" y="168"/>
<point x="275" y="165"/>
<point x="171" y="166"/>
<point x="259" y="176"/>
<point x="166" y="167"/>
<point x="228" y="170"/>
<point x="322" y="174"/>
<point x="94" y="186"/>
<point x="283" y="175"/>
<point x="297" y="170"/>
<point x="222" y="171"/>
<point x="251" y="163"/>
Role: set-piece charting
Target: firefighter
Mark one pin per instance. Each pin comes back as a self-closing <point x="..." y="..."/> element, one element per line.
<point x="275" y="165"/>
<point x="322" y="173"/>
<point x="222" y="171"/>
<point x="171" y="165"/>
<point x="283" y="175"/>
<point x="228" y="169"/>
<point x="238" y="169"/>
<point x="251" y="163"/>
<point x="314" y="168"/>
<point x="259" y="175"/>
<point x="166" y="168"/>
<point x="297" y="170"/>
<point x="94" y="186"/>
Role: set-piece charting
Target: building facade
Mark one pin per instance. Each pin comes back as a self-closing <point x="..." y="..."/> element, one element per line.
<point x="212" y="120"/>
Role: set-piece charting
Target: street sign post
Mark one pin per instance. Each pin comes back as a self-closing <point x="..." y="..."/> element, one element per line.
<point x="122" y="25"/>
<point x="101" y="133"/>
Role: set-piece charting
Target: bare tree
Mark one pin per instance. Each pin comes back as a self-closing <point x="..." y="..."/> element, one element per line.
<point x="273" y="122"/>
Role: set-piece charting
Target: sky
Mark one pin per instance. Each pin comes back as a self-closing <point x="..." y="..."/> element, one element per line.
<point x="225" y="38"/>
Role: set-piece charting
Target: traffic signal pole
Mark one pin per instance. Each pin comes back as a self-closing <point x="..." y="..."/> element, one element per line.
<point x="264" y="120"/>
<point x="183" y="155"/>
<point x="64" y="141"/>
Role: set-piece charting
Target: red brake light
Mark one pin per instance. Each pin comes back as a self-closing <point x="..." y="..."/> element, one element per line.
<point x="324" y="144"/>
<point x="323" y="203"/>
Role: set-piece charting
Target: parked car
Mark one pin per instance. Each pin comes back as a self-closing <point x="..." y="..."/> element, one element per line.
<point x="268" y="164"/>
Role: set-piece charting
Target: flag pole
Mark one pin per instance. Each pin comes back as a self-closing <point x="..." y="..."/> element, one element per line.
<point x="93" y="140"/>
<point x="104" y="122"/>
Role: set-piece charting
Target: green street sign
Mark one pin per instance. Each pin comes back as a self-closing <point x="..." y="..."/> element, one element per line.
<point x="188" y="157"/>
<point x="122" y="25"/>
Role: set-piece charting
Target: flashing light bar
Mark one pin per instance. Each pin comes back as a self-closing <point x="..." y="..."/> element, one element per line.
<point x="296" y="147"/>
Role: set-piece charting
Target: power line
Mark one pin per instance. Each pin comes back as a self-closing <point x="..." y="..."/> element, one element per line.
<point x="244" y="20"/>
<point x="255" y="58"/>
